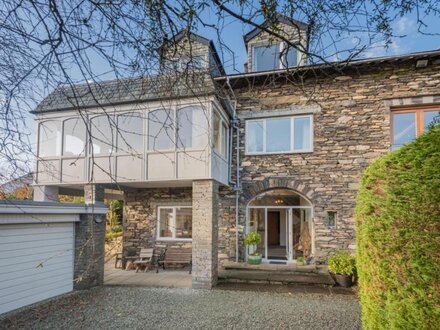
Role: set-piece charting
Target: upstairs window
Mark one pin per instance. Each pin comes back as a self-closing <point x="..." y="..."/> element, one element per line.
<point x="279" y="135"/>
<point x="130" y="133"/>
<point x="407" y="124"/>
<point x="103" y="135"/>
<point x="273" y="57"/>
<point x="266" y="58"/>
<point x="220" y="135"/>
<point x="49" y="139"/>
<point x="74" y="137"/>
<point x="192" y="127"/>
<point x="161" y="129"/>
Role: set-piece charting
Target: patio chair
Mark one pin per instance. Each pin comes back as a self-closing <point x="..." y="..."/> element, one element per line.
<point x="145" y="258"/>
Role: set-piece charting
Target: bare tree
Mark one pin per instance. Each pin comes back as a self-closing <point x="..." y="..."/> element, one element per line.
<point x="48" y="44"/>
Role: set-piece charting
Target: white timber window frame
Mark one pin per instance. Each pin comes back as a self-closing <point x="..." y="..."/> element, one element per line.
<point x="292" y="149"/>
<point x="174" y="226"/>
<point x="281" y="55"/>
<point x="222" y="147"/>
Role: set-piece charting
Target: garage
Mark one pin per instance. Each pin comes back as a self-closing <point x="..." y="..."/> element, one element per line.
<point x="36" y="253"/>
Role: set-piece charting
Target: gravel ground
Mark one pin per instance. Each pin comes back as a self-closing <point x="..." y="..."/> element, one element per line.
<point x="161" y="308"/>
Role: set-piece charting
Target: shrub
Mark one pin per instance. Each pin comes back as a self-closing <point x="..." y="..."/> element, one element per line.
<point x="110" y="235"/>
<point x="398" y="237"/>
<point x="342" y="263"/>
<point x="253" y="238"/>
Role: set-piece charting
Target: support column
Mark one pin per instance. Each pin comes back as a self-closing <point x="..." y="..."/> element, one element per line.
<point x="205" y="234"/>
<point x="46" y="193"/>
<point x="90" y="241"/>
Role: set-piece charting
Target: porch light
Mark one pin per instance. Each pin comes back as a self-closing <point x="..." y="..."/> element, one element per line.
<point x="279" y="202"/>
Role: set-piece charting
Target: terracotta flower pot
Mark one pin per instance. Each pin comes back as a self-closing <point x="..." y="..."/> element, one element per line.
<point x="345" y="281"/>
<point x="254" y="259"/>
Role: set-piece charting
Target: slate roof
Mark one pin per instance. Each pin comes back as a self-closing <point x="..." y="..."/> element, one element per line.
<point x="132" y="90"/>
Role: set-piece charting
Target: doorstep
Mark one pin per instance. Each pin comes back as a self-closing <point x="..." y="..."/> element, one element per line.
<point x="234" y="272"/>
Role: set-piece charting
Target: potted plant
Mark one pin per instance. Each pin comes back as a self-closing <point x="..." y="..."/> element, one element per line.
<point x="252" y="240"/>
<point x="300" y="261"/>
<point x="343" y="265"/>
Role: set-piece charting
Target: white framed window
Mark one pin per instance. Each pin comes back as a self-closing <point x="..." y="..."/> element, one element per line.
<point x="220" y="135"/>
<point x="49" y="140"/>
<point x="74" y="137"/>
<point x="161" y="133"/>
<point x="279" y="135"/>
<point x="273" y="57"/>
<point x="174" y="223"/>
<point x="192" y="129"/>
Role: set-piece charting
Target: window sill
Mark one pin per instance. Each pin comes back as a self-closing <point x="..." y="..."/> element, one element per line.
<point x="278" y="153"/>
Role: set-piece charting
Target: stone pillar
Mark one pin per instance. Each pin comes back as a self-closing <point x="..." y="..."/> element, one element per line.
<point x="46" y="193"/>
<point x="93" y="193"/>
<point x="90" y="241"/>
<point x="89" y="250"/>
<point x="204" y="234"/>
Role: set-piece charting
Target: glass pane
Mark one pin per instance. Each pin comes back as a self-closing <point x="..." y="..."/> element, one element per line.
<point x="404" y="128"/>
<point x="301" y="129"/>
<point x="266" y="58"/>
<point x="254" y="136"/>
<point x="102" y="135"/>
<point x="430" y="117"/>
<point x="50" y="139"/>
<point x="192" y="131"/>
<point x="257" y="224"/>
<point x="290" y="58"/>
<point x="216" y="125"/>
<point x="224" y="140"/>
<point x="183" y="222"/>
<point x="161" y="129"/>
<point x="74" y="137"/>
<point x="166" y="222"/>
<point x="278" y="135"/>
<point x="130" y="133"/>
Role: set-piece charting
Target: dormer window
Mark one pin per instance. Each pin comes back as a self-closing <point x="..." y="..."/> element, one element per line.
<point x="273" y="57"/>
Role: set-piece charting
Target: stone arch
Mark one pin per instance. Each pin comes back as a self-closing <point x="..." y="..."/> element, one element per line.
<point x="253" y="189"/>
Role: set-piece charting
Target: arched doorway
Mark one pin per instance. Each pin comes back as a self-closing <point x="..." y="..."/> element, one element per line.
<point x="283" y="218"/>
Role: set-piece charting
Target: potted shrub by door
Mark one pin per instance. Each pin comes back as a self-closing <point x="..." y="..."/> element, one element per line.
<point x="343" y="265"/>
<point x="252" y="240"/>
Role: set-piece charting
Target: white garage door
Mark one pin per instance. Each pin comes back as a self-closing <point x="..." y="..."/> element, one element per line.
<point x="36" y="263"/>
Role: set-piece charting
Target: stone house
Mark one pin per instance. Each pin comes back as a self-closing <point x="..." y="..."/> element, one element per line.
<point x="202" y="158"/>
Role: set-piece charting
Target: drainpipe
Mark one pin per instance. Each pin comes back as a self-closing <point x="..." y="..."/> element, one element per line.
<point x="237" y="186"/>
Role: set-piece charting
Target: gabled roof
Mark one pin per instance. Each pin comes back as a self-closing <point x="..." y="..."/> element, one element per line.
<point x="198" y="38"/>
<point x="280" y="19"/>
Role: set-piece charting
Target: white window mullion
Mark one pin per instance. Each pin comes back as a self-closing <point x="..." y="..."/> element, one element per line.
<point x="174" y="222"/>
<point x="280" y="60"/>
<point x="264" y="135"/>
<point x="292" y="133"/>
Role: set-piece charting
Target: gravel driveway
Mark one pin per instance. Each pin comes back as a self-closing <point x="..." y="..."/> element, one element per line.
<point x="161" y="308"/>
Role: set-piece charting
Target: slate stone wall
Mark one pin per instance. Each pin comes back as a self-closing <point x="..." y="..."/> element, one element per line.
<point x="89" y="251"/>
<point x="351" y="129"/>
<point x="140" y="217"/>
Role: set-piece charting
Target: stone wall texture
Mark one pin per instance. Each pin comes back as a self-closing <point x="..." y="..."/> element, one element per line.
<point x="205" y="233"/>
<point x="89" y="251"/>
<point x="350" y="131"/>
<point x="140" y="217"/>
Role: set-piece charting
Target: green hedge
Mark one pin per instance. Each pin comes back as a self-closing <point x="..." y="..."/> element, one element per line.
<point x="398" y="237"/>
